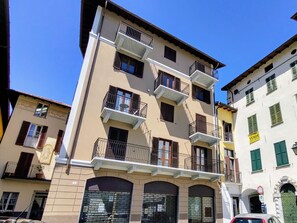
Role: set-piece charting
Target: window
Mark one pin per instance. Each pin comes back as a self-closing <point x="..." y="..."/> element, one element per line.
<point x="170" y="54"/>
<point x="294" y="69"/>
<point x="8" y="201"/>
<point x="41" y="110"/>
<point x="164" y="152"/>
<point x="128" y="64"/>
<point x="268" y="68"/>
<point x="252" y="122"/>
<point x="167" y="112"/>
<point x="275" y="114"/>
<point x="201" y="94"/>
<point x="281" y="153"/>
<point x="227" y="132"/>
<point x="256" y="160"/>
<point x="169" y="81"/>
<point x="249" y="96"/>
<point x="31" y="135"/>
<point x="133" y="33"/>
<point x="271" y="84"/>
<point x="124" y="101"/>
<point x="59" y="141"/>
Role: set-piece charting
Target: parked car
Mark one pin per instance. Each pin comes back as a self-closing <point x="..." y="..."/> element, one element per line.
<point x="255" y="218"/>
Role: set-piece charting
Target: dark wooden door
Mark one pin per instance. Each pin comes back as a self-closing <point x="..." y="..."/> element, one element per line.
<point x="23" y="165"/>
<point x="117" y="143"/>
<point x="201" y="124"/>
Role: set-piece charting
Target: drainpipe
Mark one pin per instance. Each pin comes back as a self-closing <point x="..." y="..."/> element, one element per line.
<point x="98" y="31"/>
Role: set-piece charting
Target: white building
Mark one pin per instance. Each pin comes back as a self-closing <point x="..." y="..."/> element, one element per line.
<point x="265" y="124"/>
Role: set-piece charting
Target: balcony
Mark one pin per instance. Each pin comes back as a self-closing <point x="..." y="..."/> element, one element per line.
<point x="171" y="88"/>
<point x="33" y="172"/>
<point x="129" y="157"/>
<point x="204" y="132"/>
<point x="232" y="176"/>
<point x="198" y="74"/>
<point x="133" y="41"/>
<point x="123" y="109"/>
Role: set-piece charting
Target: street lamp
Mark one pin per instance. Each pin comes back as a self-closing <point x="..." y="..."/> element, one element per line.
<point x="294" y="148"/>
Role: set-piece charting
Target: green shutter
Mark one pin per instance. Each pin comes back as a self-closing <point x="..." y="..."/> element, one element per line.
<point x="272" y="115"/>
<point x="294" y="71"/>
<point x="284" y="153"/>
<point x="256" y="160"/>
<point x="278" y="113"/>
<point x="281" y="153"/>
<point x="250" y="123"/>
<point x="255" y="123"/>
<point x="274" y="87"/>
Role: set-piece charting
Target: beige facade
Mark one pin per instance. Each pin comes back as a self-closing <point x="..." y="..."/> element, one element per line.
<point x="141" y="137"/>
<point x="27" y="153"/>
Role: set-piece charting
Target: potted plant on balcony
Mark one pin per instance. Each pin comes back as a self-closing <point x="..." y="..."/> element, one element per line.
<point x="39" y="174"/>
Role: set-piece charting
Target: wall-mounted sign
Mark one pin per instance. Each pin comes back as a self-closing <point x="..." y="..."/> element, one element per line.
<point x="254" y="137"/>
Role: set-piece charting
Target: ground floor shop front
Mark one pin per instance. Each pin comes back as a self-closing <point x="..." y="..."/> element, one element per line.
<point x="85" y="195"/>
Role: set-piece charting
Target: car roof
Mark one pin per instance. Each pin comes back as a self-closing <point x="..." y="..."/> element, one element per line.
<point x="254" y="215"/>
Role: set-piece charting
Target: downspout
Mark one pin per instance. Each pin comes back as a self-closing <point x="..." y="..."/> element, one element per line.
<point x="86" y="95"/>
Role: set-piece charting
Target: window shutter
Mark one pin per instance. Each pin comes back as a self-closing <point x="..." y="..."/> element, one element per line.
<point x="237" y="174"/>
<point x="273" y="84"/>
<point x="258" y="160"/>
<point x="42" y="137"/>
<point x="227" y="162"/>
<point x="194" y="158"/>
<point x="284" y="153"/>
<point x="254" y="167"/>
<point x="112" y="97"/>
<point x="272" y="115"/>
<point x="139" y="69"/>
<point x="135" y="104"/>
<point x="210" y="165"/>
<point x="277" y="149"/>
<point x="23" y="133"/>
<point x="59" y="141"/>
<point x="117" y="61"/>
<point x="175" y="154"/>
<point x="294" y="69"/>
<point x="177" y="84"/>
<point x="278" y="113"/>
<point x="255" y="126"/>
<point x="154" y="154"/>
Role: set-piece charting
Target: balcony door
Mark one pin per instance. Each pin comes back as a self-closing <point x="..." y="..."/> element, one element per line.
<point x="201" y="159"/>
<point x="201" y="124"/>
<point x="123" y="100"/>
<point x="117" y="143"/>
<point x="23" y="165"/>
<point x="164" y="153"/>
<point x="170" y="81"/>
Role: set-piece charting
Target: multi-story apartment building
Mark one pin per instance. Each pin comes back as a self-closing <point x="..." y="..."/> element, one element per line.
<point x="231" y="181"/>
<point x="140" y="142"/>
<point x="28" y="150"/>
<point x="265" y="97"/>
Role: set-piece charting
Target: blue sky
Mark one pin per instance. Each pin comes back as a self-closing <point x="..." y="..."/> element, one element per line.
<point x="45" y="54"/>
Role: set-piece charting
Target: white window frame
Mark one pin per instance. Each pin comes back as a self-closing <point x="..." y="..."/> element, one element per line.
<point x="5" y="206"/>
<point x="44" y="107"/>
<point x="33" y="135"/>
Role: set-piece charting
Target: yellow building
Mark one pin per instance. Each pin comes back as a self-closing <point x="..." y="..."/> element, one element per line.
<point x="28" y="149"/>
<point x="231" y="181"/>
<point x="140" y="142"/>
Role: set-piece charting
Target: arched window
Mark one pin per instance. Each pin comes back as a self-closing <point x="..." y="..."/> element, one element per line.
<point x="106" y="199"/>
<point x="201" y="204"/>
<point x="159" y="202"/>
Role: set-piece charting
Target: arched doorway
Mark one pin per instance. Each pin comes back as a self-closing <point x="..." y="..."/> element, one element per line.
<point x="255" y="204"/>
<point x="106" y="199"/>
<point x="159" y="203"/>
<point x="289" y="203"/>
<point x="201" y="204"/>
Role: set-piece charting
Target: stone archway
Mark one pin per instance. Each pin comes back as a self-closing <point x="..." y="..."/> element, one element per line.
<point x="277" y="198"/>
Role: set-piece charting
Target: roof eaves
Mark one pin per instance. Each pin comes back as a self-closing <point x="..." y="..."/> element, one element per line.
<point x="260" y="63"/>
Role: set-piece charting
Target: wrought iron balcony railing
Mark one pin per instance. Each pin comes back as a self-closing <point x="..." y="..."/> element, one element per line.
<point x="172" y="83"/>
<point x="116" y="150"/>
<point x="228" y="136"/>
<point x="232" y="176"/>
<point x="201" y="67"/>
<point x="125" y="104"/>
<point x="136" y="34"/>
<point x="32" y="172"/>
<point x="205" y="128"/>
